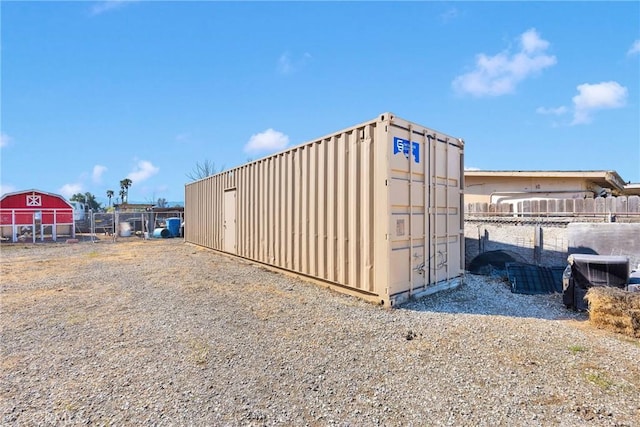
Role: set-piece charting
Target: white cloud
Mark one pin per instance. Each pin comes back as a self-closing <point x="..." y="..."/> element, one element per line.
<point x="531" y="42"/>
<point x="289" y="65"/>
<point x="558" y="111"/>
<point x="599" y="96"/>
<point x="500" y="74"/>
<point x="449" y="15"/>
<point x="108" y="5"/>
<point x="69" y="190"/>
<point x="183" y="137"/>
<point x="7" y="188"/>
<point x="634" y="49"/>
<point x="4" y="140"/>
<point x="98" y="170"/>
<point x="143" y="171"/>
<point x="269" y="140"/>
<point x="284" y="63"/>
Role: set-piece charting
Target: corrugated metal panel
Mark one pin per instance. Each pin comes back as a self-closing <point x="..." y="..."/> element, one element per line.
<point x="374" y="209"/>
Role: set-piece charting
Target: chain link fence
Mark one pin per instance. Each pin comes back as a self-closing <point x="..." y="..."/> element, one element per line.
<point x="130" y="224"/>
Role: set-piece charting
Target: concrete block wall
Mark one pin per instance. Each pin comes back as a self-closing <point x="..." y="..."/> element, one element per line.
<point x="549" y="245"/>
<point x="543" y="245"/>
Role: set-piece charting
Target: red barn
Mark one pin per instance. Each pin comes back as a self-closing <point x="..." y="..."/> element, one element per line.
<point x="34" y="214"/>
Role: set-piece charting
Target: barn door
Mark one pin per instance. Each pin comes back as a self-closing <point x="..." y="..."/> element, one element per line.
<point x="229" y="237"/>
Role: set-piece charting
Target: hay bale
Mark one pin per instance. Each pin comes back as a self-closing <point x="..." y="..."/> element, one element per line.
<point x="614" y="309"/>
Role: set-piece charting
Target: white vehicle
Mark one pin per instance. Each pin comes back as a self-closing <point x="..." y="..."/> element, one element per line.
<point x="79" y="211"/>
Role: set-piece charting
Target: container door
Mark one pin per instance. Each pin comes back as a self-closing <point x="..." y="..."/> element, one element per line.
<point x="407" y="204"/>
<point x="445" y="219"/>
<point x="229" y="223"/>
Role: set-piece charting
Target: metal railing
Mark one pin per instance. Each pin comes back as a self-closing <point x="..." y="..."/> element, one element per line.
<point x="129" y="224"/>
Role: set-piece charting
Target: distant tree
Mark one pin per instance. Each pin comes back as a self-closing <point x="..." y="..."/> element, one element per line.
<point x="88" y="199"/>
<point x="162" y="202"/>
<point x="124" y="187"/>
<point x="203" y="170"/>
<point x="79" y="197"/>
<point x="122" y="194"/>
<point x="93" y="204"/>
<point x="110" y="194"/>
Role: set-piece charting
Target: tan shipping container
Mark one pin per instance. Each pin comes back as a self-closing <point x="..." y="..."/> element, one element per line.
<point x="374" y="210"/>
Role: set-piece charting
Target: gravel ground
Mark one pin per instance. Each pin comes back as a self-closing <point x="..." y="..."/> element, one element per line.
<point x="161" y="332"/>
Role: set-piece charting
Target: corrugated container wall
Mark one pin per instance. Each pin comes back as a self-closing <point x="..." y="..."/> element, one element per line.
<point x="374" y="210"/>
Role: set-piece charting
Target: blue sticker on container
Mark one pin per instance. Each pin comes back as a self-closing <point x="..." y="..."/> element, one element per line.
<point x="402" y="146"/>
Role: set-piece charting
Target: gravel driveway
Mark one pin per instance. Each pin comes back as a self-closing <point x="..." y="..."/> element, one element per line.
<point x="161" y="332"/>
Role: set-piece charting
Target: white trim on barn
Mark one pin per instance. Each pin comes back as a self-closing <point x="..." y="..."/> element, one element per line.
<point x="34" y="215"/>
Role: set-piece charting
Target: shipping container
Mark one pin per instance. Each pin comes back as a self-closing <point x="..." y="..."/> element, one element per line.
<point x="374" y="210"/>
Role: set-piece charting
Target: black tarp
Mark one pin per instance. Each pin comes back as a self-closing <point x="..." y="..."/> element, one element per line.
<point x="593" y="270"/>
<point x="532" y="279"/>
<point x="492" y="262"/>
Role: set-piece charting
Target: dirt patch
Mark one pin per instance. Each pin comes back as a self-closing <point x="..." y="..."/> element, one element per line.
<point x="165" y="333"/>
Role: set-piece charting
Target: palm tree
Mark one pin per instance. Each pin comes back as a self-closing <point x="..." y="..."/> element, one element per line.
<point x="109" y="196"/>
<point x="124" y="185"/>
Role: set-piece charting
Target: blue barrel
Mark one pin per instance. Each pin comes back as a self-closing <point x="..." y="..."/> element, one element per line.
<point x="161" y="232"/>
<point x="173" y="224"/>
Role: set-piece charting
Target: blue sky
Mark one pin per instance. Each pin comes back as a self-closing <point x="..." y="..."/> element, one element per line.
<point x="95" y="92"/>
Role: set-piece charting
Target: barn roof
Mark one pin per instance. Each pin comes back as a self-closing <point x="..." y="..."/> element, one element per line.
<point x="33" y="190"/>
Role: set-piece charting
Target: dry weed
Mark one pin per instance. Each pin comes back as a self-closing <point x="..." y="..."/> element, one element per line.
<point x="615" y="309"/>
